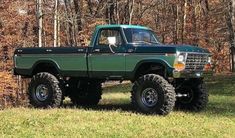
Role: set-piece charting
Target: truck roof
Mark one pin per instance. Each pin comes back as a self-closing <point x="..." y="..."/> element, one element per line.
<point x="122" y="26"/>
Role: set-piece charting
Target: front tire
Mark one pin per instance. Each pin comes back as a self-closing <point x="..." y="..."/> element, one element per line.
<point x="44" y="91"/>
<point x="197" y="98"/>
<point x="151" y="93"/>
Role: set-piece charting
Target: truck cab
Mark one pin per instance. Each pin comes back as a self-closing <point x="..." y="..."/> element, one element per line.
<point x="126" y="47"/>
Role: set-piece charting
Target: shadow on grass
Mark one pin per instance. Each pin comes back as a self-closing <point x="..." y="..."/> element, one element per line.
<point x="213" y="109"/>
<point x="122" y="88"/>
<point x="114" y="107"/>
<point x="125" y="107"/>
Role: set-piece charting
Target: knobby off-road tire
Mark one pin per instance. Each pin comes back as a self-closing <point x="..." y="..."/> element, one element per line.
<point x="44" y="91"/>
<point x="86" y="93"/>
<point x="155" y="86"/>
<point x="197" y="99"/>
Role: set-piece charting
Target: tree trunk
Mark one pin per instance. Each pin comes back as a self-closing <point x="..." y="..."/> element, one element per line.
<point x="233" y="24"/>
<point x="229" y="21"/>
<point x="58" y="32"/>
<point x="117" y="11"/>
<point x="184" y="21"/>
<point x="163" y="21"/>
<point x="205" y="8"/>
<point x="110" y="12"/>
<point x="77" y="7"/>
<point x="232" y="49"/>
<point x="126" y="17"/>
<point x="40" y="22"/>
<point x="131" y="12"/>
<point x="69" y="24"/>
<point x="175" y="9"/>
<point x="56" y="24"/>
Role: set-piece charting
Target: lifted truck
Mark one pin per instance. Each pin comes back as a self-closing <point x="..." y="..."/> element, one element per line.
<point x="163" y="76"/>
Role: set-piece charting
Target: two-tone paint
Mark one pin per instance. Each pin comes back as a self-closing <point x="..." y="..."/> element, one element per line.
<point x="99" y="62"/>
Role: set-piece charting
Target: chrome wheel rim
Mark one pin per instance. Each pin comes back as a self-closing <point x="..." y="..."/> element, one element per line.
<point x="149" y="97"/>
<point x="42" y="92"/>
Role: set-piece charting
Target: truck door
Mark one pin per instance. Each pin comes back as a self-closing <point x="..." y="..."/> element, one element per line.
<point x="107" y="60"/>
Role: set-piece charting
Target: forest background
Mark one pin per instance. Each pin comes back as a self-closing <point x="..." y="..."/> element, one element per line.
<point x="54" y="23"/>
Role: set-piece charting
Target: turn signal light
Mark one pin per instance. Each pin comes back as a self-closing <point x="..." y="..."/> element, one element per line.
<point x="179" y="66"/>
<point x="207" y="67"/>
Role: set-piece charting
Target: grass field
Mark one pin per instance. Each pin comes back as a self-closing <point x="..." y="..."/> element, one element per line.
<point x="115" y="117"/>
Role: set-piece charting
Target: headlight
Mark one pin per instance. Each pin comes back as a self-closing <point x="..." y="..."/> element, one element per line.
<point x="180" y="60"/>
<point x="181" y="57"/>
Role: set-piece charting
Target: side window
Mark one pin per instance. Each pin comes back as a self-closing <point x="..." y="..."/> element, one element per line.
<point x="104" y="34"/>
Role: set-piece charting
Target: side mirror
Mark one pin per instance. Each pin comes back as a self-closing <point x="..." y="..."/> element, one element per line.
<point x="112" y="41"/>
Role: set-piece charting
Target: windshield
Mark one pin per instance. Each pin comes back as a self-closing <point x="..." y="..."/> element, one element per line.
<point x="140" y="36"/>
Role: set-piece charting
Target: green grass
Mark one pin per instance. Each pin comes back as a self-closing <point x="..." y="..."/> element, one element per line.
<point x="115" y="117"/>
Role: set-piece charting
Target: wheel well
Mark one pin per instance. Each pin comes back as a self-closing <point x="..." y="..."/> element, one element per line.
<point x="147" y="68"/>
<point x="45" y="67"/>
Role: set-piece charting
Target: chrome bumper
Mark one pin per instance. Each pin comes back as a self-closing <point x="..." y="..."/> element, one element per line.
<point x="191" y="74"/>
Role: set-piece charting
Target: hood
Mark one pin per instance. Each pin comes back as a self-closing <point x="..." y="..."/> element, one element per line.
<point x="189" y="48"/>
<point x="168" y="49"/>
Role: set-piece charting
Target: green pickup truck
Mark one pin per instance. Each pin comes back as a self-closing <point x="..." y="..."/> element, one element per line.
<point x="163" y="76"/>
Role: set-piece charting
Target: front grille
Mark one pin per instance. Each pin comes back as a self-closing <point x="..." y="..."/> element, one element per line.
<point x="196" y="62"/>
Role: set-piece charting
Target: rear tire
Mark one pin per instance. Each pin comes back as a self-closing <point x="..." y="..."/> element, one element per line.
<point x="85" y="93"/>
<point x="197" y="96"/>
<point x="151" y="93"/>
<point x="44" y="91"/>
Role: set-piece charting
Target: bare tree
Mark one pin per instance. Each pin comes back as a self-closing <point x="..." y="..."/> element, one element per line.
<point x="230" y="24"/>
<point x="205" y="8"/>
<point x="184" y="20"/>
<point x="77" y="6"/>
<point x="131" y="11"/>
<point x="175" y="10"/>
<point x="56" y="23"/>
<point x="110" y="12"/>
<point x="69" y="23"/>
<point x="40" y="22"/>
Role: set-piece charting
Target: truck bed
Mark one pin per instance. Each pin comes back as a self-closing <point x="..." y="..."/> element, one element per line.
<point x="68" y="60"/>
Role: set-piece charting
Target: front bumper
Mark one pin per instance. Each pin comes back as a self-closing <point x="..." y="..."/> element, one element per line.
<point x="192" y="74"/>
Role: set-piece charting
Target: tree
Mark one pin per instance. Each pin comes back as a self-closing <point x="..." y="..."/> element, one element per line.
<point x="78" y="12"/>
<point x="56" y="23"/>
<point x="40" y="22"/>
<point x="230" y="19"/>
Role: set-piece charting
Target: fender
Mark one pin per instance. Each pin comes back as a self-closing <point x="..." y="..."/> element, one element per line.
<point x="167" y="66"/>
<point x="48" y="61"/>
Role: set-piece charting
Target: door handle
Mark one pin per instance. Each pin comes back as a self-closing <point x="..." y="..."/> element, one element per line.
<point x="130" y="50"/>
<point x="48" y="50"/>
<point x="96" y="50"/>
